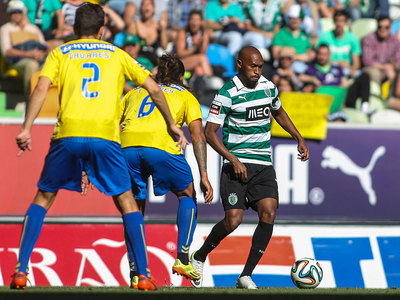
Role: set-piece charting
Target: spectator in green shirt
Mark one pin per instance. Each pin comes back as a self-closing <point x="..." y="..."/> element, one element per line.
<point x="292" y="36"/>
<point x="265" y="18"/>
<point x="47" y="15"/>
<point x="344" y="46"/>
<point x="228" y="22"/>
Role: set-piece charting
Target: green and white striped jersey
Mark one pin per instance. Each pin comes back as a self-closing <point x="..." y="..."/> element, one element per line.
<point x="245" y="116"/>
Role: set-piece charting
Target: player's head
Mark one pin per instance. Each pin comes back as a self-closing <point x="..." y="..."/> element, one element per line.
<point x="170" y="70"/>
<point x="89" y="20"/>
<point x="249" y="63"/>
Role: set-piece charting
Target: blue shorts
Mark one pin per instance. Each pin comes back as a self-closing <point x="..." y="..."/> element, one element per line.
<point x="170" y="172"/>
<point x="101" y="159"/>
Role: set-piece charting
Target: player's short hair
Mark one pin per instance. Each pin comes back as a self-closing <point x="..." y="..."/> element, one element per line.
<point x="89" y="18"/>
<point x="170" y="70"/>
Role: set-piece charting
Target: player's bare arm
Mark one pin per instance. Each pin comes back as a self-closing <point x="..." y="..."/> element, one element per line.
<point x="286" y="123"/>
<point x="200" y="152"/>
<point x="35" y="104"/>
<point x="159" y="100"/>
<point x="215" y="142"/>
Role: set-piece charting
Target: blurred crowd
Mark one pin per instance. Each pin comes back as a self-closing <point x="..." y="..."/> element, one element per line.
<point x="348" y="48"/>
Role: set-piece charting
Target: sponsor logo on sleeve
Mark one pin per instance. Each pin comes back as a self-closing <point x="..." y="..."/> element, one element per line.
<point x="215" y="107"/>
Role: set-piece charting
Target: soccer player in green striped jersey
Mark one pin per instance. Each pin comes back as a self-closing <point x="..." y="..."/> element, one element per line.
<point x="243" y="107"/>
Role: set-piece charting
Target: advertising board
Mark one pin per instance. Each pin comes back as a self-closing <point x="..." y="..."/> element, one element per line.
<point x="352" y="175"/>
<point x="95" y="255"/>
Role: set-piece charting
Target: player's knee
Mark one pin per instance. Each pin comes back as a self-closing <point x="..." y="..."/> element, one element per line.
<point x="267" y="216"/>
<point x="185" y="193"/>
<point x="44" y="199"/>
<point x="125" y="203"/>
<point x="232" y="222"/>
<point x="188" y="192"/>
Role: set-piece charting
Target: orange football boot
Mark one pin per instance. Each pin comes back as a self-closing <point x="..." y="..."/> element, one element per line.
<point x="146" y="284"/>
<point x="19" y="281"/>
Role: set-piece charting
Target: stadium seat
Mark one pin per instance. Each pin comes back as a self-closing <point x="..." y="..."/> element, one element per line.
<point x="364" y="26"/>
<point x="375" y="89"/>
<point x="355" y="116"/>
<point x="327" y="24"/>
<point x="204" y="111"/>
<point x="376" y="103"/>
<point x="395" y="26"/>
<point x="51" y="104"/>
<point x="219" y="55"/>
<point x="119" y="39"/>
<point x="3" y="63"/>
<point x="385" y="87"/>
<point x="7" y="113"/>
<point x="386" y="117"/>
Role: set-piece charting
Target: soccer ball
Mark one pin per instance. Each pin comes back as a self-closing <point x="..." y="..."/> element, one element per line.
<point x="306" y="273"/>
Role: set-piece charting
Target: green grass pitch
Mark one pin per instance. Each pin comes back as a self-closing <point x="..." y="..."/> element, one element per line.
<point x="170" y="293"/>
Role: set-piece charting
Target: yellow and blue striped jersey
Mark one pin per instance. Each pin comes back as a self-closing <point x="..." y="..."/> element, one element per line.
<point x="143" y="125"/>
<point x="90" y="78"/>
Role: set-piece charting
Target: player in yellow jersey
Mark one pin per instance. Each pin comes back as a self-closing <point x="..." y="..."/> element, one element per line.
<point x="150" y="150"/>
<point x="90" y="76"/>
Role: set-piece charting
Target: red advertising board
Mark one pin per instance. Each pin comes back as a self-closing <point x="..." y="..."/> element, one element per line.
<point x="95" y="254"/>
<point x="88" y="254"/>
<point x="20" y="175"/>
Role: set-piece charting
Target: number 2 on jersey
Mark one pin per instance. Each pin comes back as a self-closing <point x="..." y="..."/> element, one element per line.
<point x="146" y="107"/>
<point x="86" y="80"/>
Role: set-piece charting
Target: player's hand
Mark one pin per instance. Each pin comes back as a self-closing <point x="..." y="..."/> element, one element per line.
<point x="176" y="132"/>
<point x="304" y="153"/>
<point x="24" y="141"/>
<point x="207" y="190"/>
<point x="240" y="170"/>
<point x="85" y="182"/>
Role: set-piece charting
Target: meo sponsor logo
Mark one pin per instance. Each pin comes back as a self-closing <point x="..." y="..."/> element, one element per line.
<point x="256" y="113"/>
<point x="215" y="107"/>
